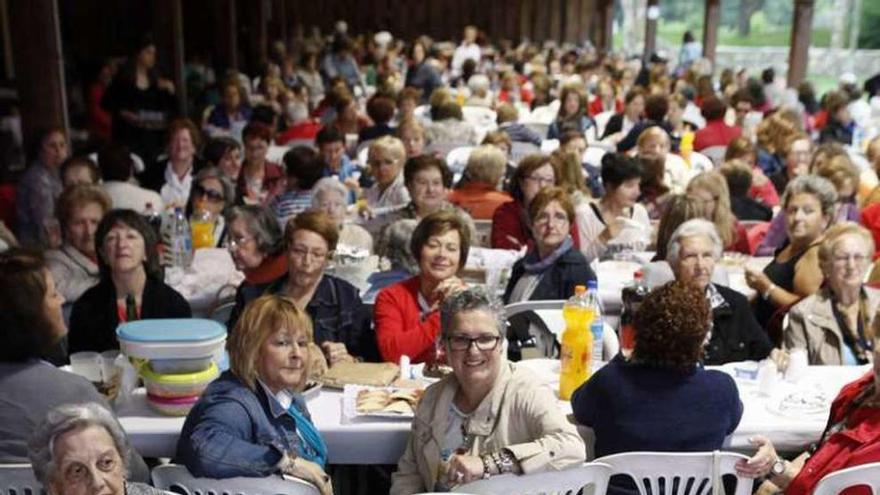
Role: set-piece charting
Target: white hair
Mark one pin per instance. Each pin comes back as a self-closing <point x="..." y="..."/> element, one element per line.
<point x="327" y="185"/>
<point x="692" y="228"/>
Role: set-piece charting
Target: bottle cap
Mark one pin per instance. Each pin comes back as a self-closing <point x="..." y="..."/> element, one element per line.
<point x="579" y="289"/>
<point x="637" y="274"/>
<point x="593" y="284"/>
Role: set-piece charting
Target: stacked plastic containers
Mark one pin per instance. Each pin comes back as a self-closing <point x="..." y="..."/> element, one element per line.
<point x="179" y="359"/>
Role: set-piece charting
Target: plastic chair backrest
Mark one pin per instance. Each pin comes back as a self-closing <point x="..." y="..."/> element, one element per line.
<point x="522" y="149"/>
<point x="864" y="475"/>
<point x="566" y="481"/>
<point x="549" y="146"/>
<point x="593" y="155"/>
<point x="484" y="233"/>
<point x="715" y="153"/>
<point x="457" y="158"/>
<point x="177" y="478"/>
<point x="602" y="121"/>
<point x="19" y="479"/>
<point x="478" y="116"/>
<point x="422" y="112"/>
<point x="691" y="473"/>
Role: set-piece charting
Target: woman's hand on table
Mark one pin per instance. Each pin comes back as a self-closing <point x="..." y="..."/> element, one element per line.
<point x="311" y="472"/>
<point x="759" y="464"/>
<point x="336" y="353"/>
<point x="464" y="469"/>
<point x="780" y="357"/>
<point x="757" y="280"/>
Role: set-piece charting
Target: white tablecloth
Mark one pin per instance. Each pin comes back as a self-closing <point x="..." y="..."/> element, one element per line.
<point x="212" y="270"/>
<point x="367" y="441"/>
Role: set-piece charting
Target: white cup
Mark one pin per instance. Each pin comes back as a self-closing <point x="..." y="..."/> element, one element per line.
<point x="87" y="364"/>
<point x="768" y="378"/>
<point x="797" y="365"/>
<point x="108" y="365"/>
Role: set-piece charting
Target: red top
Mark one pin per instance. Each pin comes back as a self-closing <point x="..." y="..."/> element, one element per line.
<point x="595" y="107"/>
<point x="716" y="133"/>
<point x="479" y="199"/>
<point x="740" y="242"/>
<point x="303" y="130"/>
<point x="765" y="193"/>
<point x="511" y="231"/>
<point x="401" y="328"/>
<point x="858" y="443"/>
<point x="272" y="268"/>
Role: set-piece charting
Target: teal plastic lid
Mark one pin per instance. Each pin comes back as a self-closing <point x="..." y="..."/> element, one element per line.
<point x="171" y="330"/>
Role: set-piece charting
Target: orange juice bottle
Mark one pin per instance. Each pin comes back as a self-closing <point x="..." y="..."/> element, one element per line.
<point x="686" y="147"/>
<point x="577" y="343"/>
<point x="202" y="226"/>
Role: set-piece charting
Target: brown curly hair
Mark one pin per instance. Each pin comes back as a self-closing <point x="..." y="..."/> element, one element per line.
<point x="671" y="325"/>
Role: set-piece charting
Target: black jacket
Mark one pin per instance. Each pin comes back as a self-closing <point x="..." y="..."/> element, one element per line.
<point x="336" y="309"/>
<point x="736" y="334"/>
<point x="746" y="208"/>
<point x="94" y="318"/>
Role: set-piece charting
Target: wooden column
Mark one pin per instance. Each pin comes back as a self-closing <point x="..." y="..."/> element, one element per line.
<point x="603" y="38"/>
<point x="39" y="65"/>
<point x="226" y="33"/>
<point x="257" y="35"/>
<point x="711" y="21"/>
<point x="650" y="29"/>
<point x="799" y="49"/>
<point x="8" y="69"/>
<point x="169" y="44"/>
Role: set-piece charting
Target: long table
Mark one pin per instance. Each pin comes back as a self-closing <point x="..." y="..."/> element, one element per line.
<point x="380" y="441"/>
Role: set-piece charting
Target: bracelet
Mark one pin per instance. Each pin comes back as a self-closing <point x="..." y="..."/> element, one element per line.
<point x="486" y="473"/>
<point x="766" y="294"/>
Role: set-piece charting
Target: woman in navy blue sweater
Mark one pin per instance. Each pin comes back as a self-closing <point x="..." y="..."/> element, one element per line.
<point x="661" y="399"/>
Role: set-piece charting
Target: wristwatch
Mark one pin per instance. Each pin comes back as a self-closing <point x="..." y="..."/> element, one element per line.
<point x="777" y="468"/>
<point x="506" y="461"/>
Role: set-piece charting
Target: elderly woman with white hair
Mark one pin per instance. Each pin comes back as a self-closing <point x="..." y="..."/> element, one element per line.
<point x="330" y="196"/>
<point x="385" y="159"/>
<point x="488" y="417"/>
<point x="735" y="335"/>
<point x="481" y="95"/>
<point x="393" y="249"/>
<point x="478" y="192"/>
<point x="81" y="449"/>
<point x="835" y="325"/>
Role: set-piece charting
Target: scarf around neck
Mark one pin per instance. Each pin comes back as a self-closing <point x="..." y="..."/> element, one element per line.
<point x="534" y="265"/>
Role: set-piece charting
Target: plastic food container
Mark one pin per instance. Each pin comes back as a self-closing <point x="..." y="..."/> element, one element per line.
<point x="179" y="366"/>
<point x="164" y="339"/>
<point x="178" y="385"/>
<point x="179" y="406"/>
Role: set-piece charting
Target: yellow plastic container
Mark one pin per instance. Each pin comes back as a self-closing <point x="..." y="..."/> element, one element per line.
<point x="577" y="346"/>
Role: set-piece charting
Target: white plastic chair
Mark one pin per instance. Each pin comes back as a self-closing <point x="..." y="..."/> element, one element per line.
<point x="19" y="479"/>
<point x="701" y="470"/>
<point x="593" y="155"/>
<point x="715" y="153"/>
<point x="422" y="112"/>
<point x="549" y="146"/>
<point x="539" y="127"/>
<point x="566" y="481"/>
<point x="276" y="154"/>
<point x="834" y="483"/>
<point x="457" y="158"/>
<point x="136" y="160"/>
<point x="172" y="476"/>
<point x="484" y="233"/>
<point x="478" y="116"/>
<point x="602" y="121"/>
<point x="545" y="114"/>
<point x="701" y="162"/>
<point x="522" y="149"/>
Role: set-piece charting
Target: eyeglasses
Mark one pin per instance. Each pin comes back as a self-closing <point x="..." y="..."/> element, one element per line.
<point x="239" y="241"/>
<point x="857" y="259"/>
<point x="302" y="252"/>
<point x="212" y="195"/>
<point x="547" y="218"/>
<point x="542" y="181"/>
<point x="483" y="342"/>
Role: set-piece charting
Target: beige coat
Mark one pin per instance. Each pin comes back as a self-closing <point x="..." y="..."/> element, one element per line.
<point x="812" y="326"/>
<point x="518" y="414"/>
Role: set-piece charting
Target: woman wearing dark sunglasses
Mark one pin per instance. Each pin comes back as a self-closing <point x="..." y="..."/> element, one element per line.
<point x="213" y="194"/>
<point x="492" y="417"/>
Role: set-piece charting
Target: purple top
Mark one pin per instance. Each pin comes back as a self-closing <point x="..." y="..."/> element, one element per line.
<point x="777" y="234"/>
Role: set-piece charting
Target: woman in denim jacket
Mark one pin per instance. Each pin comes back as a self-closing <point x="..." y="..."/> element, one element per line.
<point x="252" y="421"/>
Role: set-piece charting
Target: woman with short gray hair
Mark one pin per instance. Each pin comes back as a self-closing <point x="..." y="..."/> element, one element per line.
<point x="256" y="246"/>
<point x="504" y="420"/>
<point x="81" y="448"/>
<point x="735" y="335"/>
<point x="794" y="273"/>
<point x="331" y="196"/>
<point x="394" y="249"/>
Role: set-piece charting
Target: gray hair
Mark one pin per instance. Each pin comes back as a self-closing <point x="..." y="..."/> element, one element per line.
<point x="692" y="228"/>
<point x="819" y="187"/>
<point x="262" y="224"/>
<point x="478" y="83"/>
<point x="394" y="245"/>
<point x="67" y="418"/>
<point x="475" y="298"/>
<point x="212" y="172"/>
<point x="327" y="185"/>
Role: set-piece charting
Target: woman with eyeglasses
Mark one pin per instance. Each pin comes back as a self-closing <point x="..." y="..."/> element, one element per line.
<point x="835" y="324"/>
<point x="341" y="322"/>
<point x="510" y="229"/>
<point x="488" y="417"/>
<point x="549" y="271"/>
<point x="255" y="243"/>
<point x="211" y="195"/>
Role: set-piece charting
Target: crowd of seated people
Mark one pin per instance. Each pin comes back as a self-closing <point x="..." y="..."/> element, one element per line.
<point x="350" y="154"/>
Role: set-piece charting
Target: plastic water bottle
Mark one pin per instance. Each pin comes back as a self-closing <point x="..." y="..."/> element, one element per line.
<point x="577" y="343"/>
<point x="177" y="237"/>
<point x="633" y="295"/>
<point x="594" y="302"/>
<point x="153" y="218"/>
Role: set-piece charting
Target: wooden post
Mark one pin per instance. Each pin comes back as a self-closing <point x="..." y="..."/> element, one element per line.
<point x="799" y="48"/>
<point x="226" y="33"/>
<point x="257" y="35"/>
<point x="604" y="26"/>
<point x="39" y="65"/>
<point x="651" y="15"/>
<point x="8" y="69"/>
<point x="169" y="42"/>
<point x="711" y="20"/>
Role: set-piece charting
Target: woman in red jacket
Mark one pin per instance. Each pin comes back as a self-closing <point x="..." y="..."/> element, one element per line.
<point x="851" y="438"/>
<point x="510" y="229"/>
<point x="406" y="314"/>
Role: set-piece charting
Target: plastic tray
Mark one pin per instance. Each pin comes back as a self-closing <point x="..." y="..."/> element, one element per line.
<point x="178" y="385"/>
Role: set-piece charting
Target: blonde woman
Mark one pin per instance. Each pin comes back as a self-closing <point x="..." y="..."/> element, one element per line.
<point x="710" y="189"/>
<point x="253" y="421"/>
<point x="385" y="159"/>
